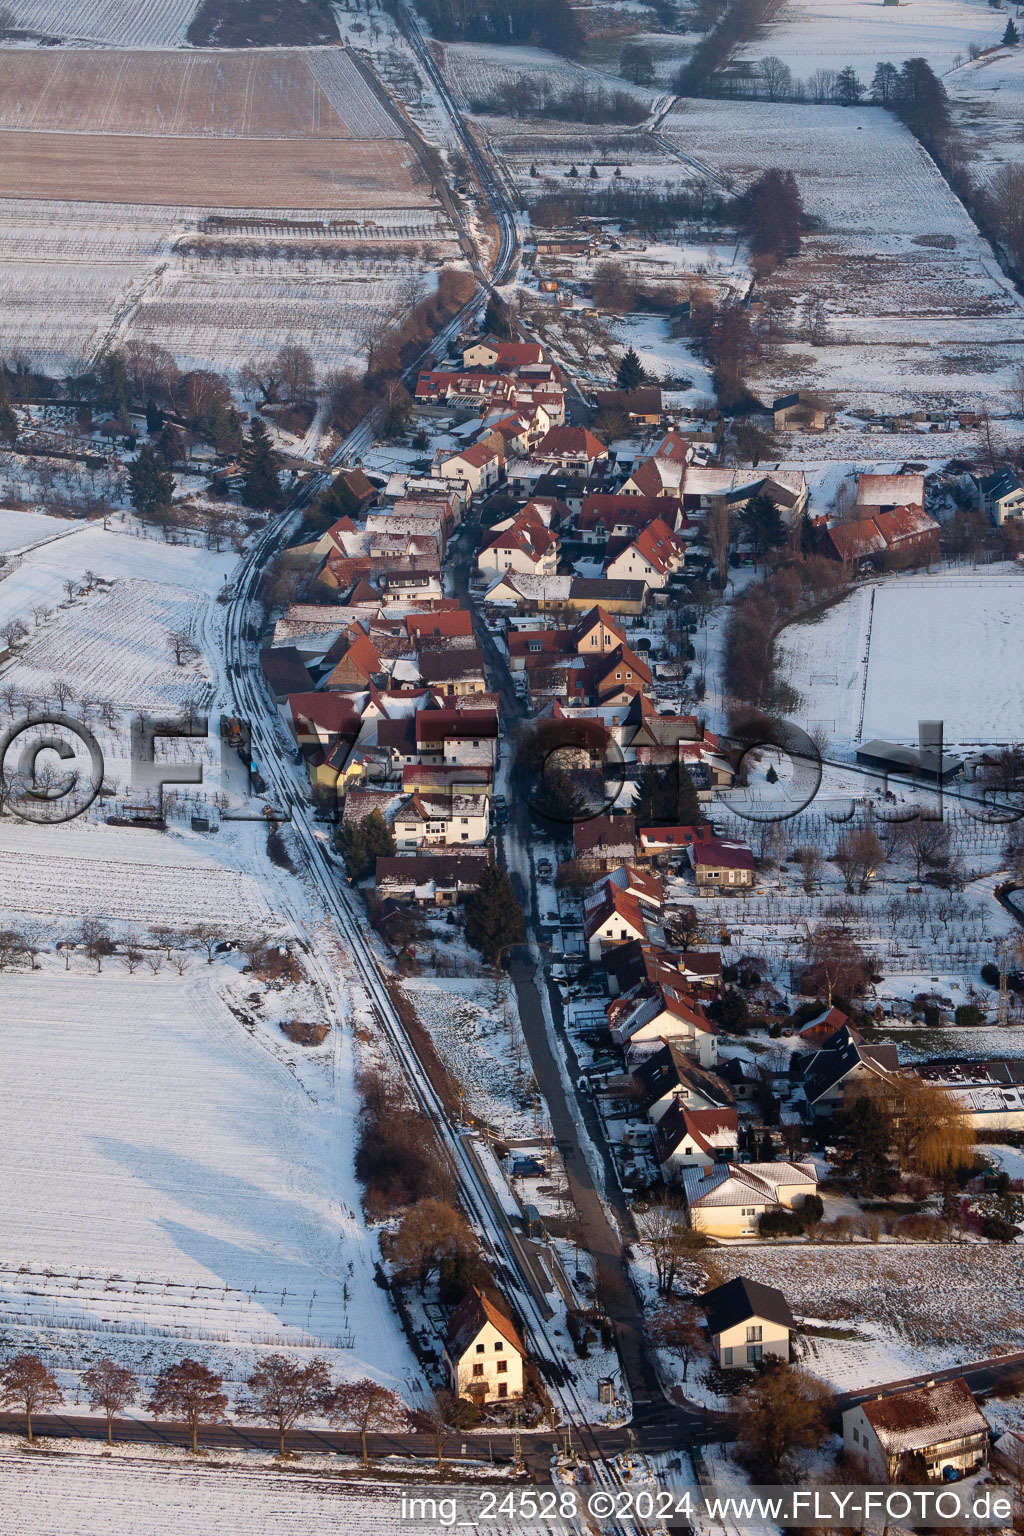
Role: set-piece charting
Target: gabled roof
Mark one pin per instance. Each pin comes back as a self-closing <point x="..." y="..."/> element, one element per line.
<point x="362" y="656"/>
<point x="827" y="1068"/>
<point x="285" y="670"/>
<point x="905" y="523"/>
<point x="439" y="724"/>
<point x="472" y="1313"/>
<point x="622" y="656"/>
<point x="447" y="626"/>
<point x="331" y="712"/>
<point x="925" y="1416"/>
<point x="708" y="1131"/>
<point x="721" y="853"/>
<point x="569" y="442"/>
<point x="604" y="832"/>
<point x="1003" y="482"/>
<point x="743" y="1184"/>
<point x="739" y="1300"/>
<point x="448" y="665"/>
<point x="478" y="455"/>
<point x="617" y="903"/>
<point x="890" y="491"/>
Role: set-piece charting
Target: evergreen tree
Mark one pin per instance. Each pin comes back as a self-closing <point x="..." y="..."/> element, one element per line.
<point x="8" y="424"/>
<point x="112" y="387"/>
<point x="630" y="373"/>
<point x="170" y="445"/>
<point x="773" y="214"/>
<point x="494" y="918"/>
<point x="262" y="486"/>
<point x="883" y="83"/>
<point x="921" y="101"/>
<point x="848" y="87"/>
<point x="866" y="1134"/>
<point x="666" y="797"/>
<point x="154" y="418"/>
<point x="496" y="317"/>
<point x="151" y="482"/>
<point x="763" y="525"/>
<point x="1011" y="37"/>
<point x="362" y="842"/>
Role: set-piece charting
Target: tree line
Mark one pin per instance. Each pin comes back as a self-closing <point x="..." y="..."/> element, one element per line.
<point x="279" y="1391"/>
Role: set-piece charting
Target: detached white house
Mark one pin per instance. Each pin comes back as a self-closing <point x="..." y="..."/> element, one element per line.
<point x="479" y="466"/>
<point x="728" y="1201"/>
<point x="940" y="1422"/>
<point x="746" y="1321"/>
<point x="424" y="820"/>
<point x="484" y="1352"/>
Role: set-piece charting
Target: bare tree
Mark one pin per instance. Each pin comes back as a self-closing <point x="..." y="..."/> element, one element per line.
<point x="367" y="1406"/>
<point x="111" y="1387"/>
<point x="12" y="947"/>
<point x="94" y="938"/>
<point x="811" y="860"/>
<point x="40" y="612"/>
<point x="13" y="631"/>
<point x="443" y="1414"/>
<point x="179" y="642"/>
<point x="155" y="962"/>
<point x="192" y="1392"/>
<point x="294" y="367"/>
<point x="62" y="691"/>
<point x="207" y="937"/>
<point x="677" y="1326"/>
<point x="281" y="1391"/>
<point x="131" y="958"/>
<point x="662" y="1229"/>
<point x="858" y="857"/>
<point x="25" y="1383"/>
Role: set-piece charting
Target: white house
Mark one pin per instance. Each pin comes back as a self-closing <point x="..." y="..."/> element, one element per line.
<point x="522" y="544"/>
<point x="651" y="557"/>
<point x="746" y="1321"/>
<point x="729" y="1201"/>
<point x="691" y="1138"/>
<point x="436" y="820"/>
<point x="479" y="466"/>
<point x="940" y="1422"/>
<point x="1001" y="495"/>
<point x="483" y="1351"/>
<point x="643" y="1026"/>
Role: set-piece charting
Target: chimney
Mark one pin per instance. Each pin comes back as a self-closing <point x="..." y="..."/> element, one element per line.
<point x="706" y="1171"/>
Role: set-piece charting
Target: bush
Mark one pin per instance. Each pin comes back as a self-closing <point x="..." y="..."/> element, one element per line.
<point x="969" y="1015"/>
<point x="781" y="1223"/>
<point x="998" y="1229"/>
<point x="813" y="1208"/>
<point x="932" y="1015"/>
<point x="990" y="975"/>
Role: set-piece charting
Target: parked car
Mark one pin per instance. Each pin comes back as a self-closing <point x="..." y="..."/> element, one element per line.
<point x="527" y="1168"/>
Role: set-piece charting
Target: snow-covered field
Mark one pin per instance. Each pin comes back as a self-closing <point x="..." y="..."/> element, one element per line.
<point x="478" y="70"/>
<point x="82" y="1495"/>
<point x="944" y="647"/>
<point x="475" y="1038"/>
<point x="829" y="34"/>
<point x="988" y="106"/>
<point x="215" y="318"/>
<point x="188" y="1187"/>
<point x="126" y="23"/>
<point x="917" y="310"/>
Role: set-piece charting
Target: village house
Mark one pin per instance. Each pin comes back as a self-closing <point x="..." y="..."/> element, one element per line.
<point x="746" y="1321"/>
<point x="483" y="1350"/>
<point x="424" y="820"/>
<point x="521" y="543"/>
<point x="937" y="1428"/>
<point x="642" y="406"/>
<point x="431" y="879"/>
<point x="644" y="1020"/>
<point x="671" y="1076"/>
<point x="455" y="673"/>
<point x="843" y="1067"/>
<point x="689" y="1138"/>
<point x="604" y="840"/>
<point x="729" y="1200"/>
<point x="800" y="411"/>
<point x="502" y="356"/>
<point x="1000" y="495"/>
<point x="285" y="672"/>
<point x="467" y="737"/>
<point x="479" y="466"/>
<point x="571" y="448"/>
<point x="722" y="864"/>
<point x="617" y="916"/>
<point x="651" y="557"/>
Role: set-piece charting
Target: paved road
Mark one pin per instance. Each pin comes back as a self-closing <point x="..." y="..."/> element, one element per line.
<point x="569" y="1111"/>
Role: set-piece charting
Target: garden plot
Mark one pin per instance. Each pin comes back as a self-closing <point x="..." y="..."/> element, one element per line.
<point x="809" y="35"/>
<point x="220" y="318"/>
<point x="115" y="647"/>
<point x="174" y="1188"/>
<point x="125" y="23"/>
<point x="915" y="1307"/>
<point x="917" y="312"/>
<point x="921" y="648"/>
<point x="57" y="875"/>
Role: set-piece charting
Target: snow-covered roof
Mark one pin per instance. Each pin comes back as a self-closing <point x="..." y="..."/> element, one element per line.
<point x="925" y="1416"/>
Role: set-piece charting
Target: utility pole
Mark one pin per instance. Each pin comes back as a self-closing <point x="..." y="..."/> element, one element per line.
<point x="1004" y="1000"/>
